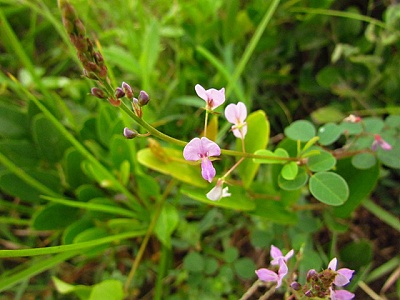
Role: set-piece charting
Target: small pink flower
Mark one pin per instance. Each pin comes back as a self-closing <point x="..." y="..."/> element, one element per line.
<point x="379" y="141"/>
<point x="352" y="119"/>
<point x="341" y="295"/>
<point x="213" y="97"/>
<point x="343" y="275"/>
<point x="218" y="192"/>
<point x="237" y="114"/>
<point x="270" y="276"/>
<point x="202" y="149"/>
<point x="277" y="255"/>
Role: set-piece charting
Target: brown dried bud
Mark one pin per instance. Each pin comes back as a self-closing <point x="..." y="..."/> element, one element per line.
<point x="98" y="92"/>
<point x="80" y="28"/>
<point x="114" y="102"/>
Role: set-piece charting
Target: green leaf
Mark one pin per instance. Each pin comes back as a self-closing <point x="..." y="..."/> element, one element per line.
<point x="274" y="211"/>
<point x="119" y="151"/>
<point x="21" y="152"/>
<point x="51" y="143"/>
<point x="54" y="216"/>
<point x="290" y="170"/>
<point x="173" y="165"/>
<point x="74" y="229"/>
<point x="279" y="153"/>
<point x="301" y="130"/>
<point x="363" y="161"/>
<point x="327" y="114"/>
<point x="329" y="133"/>
<point x="324" y="161"/>
<point x="390" y="158"/>
<point x="14" y="123"/>
<point x="360" y="182"/>
<point x="14" y="186"/>
<point x="73" y="172"/>
<point x="329" y="188"/>
<point x="357" y="254"/>
<point x="166" y="224"/>
<point x="258" y="130"/>
<point x="237" y="201"/>
<point x="92" y="234"/>
<point x="62" y="287"/>
<point x="107" y="124"/>
<point x="193" y="262"/>
<point x="296" y="183"/>
<point x="373" y="125"/>
<point x="351" y="128"/>
<point x="244" y="267"/>
<point x="110" y="289"/>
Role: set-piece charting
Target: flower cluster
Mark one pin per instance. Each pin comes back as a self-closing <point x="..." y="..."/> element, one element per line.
<point x="278" y="259"/>
<point x="322" y="285"/>
<point x="202" y="149"/>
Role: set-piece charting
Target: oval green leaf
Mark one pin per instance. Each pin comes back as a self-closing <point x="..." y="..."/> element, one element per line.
<point x="290" y="170"/>
<point x="324" y="161"/>
<point x="278" y="153"/>
<point x="301" y="130"/>
<point x="329" y="133"/>
<point x="329" y="188"/>
<point x="363" y="161"/>
<point x="296" y="183"/>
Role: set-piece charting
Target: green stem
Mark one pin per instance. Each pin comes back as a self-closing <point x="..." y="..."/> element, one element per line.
<point x="205" y="124"/>
<point x="149" y="232"/>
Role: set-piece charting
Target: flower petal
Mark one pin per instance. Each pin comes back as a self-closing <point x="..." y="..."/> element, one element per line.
<point x="207" y="170"/>
<point x="215" y="193"/>
<point x="343" y="276"/>
<point x="192" y="150"/>
<point x="209" y="148"/>
<point x="341" y="295"/>
<point x="333" y="264"/>
<point x="267" y="275"/>
<point x="275" y="253"/>
<point x="218" y="97"/>
<point x="201" y="92"/>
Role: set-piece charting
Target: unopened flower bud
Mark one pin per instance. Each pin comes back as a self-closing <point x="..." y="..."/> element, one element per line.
<point x="143" y="98"/>
<point x="128" y="90"/>
<point x="80" y="28"/>
<point x="97" y="92"/>
<point x="295" y="285"/>
<point x="311" y="274"/>
<point x="119" y="92"/>
<point x="129" y="134"/>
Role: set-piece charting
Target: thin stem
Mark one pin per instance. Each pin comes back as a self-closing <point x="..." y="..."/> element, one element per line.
<point x="205" y="124"/>
<point x="251" y="290"/>
<point x="149" y="232"/>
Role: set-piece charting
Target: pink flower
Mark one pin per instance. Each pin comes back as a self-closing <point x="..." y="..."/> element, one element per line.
<point x="379" y="141"/>
<point x="202" y="149"/>
<point x="217" y="192"/>
<point x="352" y="119"/>
<point x="270" y="276"/>
<point x="341" y="295"/>
<point x="236" y="114"/>
<point x="277" y="255"/>
<point x="213" y="97"/>
<point x="343" y="275"/>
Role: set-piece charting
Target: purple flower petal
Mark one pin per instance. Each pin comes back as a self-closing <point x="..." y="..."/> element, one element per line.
<point x="343" y="276"/>
<point x="192" y="150"/>
<point x="333" y="264"/>
<point x="267" y="275"/>
<point x="341" y="295"/>
<point x="207" y="170"/>
<point x="210" y="148"/>
<point x="201" y="92"/>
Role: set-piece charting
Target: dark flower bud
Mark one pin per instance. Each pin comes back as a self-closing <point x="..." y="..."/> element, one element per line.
<point x="295" y="285"/>
<point x="97" y="92"/>
<point x="80" y="28"/>
<point x="128" y="90"/>
<point x="129" y="134"/>
<point x="143" y="98"/>
<point x="119" y="92"/>
<point x="311" y="274"/>
<point x="309" y="293"/>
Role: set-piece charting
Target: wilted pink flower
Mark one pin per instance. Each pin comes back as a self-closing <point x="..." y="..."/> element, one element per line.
<point x="270" y="276"/>
<point x="202" y="149"/>
<point x="218" y="192"/>
<point x="352" y="119"/>
<point x="213" y="97"/>
<point x="237" y="114"/>
<point x="343" y="275"/>
<point x="277" y="255"/>
<point x="341" y="295"/>
<point x="379" y="141"/>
